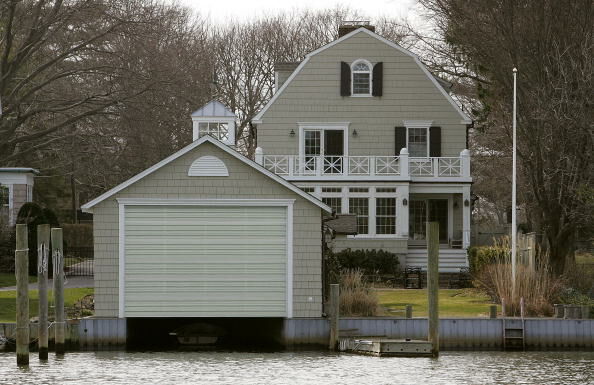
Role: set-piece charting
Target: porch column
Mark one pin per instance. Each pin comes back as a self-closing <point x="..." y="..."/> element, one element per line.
<point x="402" y="196"/>
<point x="466" y="216"/>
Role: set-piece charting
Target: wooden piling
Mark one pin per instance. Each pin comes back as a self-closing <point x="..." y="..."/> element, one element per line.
<point x="22" y="304"/>
<point x="334" y="315"/>
<point x="493" y="311"/>
<point x="522" y="307"/>
<point x="433" y="284"/>
<point x="409" y="310"/>
<point x="43" y="254"/>
<point x="58" y="260"/>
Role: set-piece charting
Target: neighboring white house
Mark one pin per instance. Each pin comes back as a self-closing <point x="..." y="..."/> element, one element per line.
<point x="16" y="189"/>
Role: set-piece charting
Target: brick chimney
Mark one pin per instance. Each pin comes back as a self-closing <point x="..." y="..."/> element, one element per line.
<point x="348" y="26"/>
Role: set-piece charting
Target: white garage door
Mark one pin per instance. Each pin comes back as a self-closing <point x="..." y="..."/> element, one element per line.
<point x="205" y="261"/>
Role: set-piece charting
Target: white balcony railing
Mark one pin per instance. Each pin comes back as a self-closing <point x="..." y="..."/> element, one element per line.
<point x="290" y="166"/>
<point x="295" y="165"/>
<point x="436" y="167"/>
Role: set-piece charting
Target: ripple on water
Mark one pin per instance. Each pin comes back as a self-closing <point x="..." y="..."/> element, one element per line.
<point x="302" y="368"/>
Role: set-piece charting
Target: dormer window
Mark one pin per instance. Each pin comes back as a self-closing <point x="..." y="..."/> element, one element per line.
<point x="362" y="78"/>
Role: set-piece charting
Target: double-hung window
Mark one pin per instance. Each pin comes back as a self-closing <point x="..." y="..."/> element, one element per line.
<point x="360" y="207"/>
<point x="4" y="203"/>
<point x="418" y="143"/>
<point x="361" y="81"/>
<point x="385" y="215"/>
<point x="332" y="196"/>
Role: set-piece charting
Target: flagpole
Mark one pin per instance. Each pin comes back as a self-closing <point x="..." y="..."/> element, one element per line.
<point x="514" y="220"/>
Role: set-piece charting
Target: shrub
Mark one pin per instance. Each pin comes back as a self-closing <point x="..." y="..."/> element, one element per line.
<point x="481" y="256"/>
<point x="356" y="298"/>
<point x="370" y="262"/>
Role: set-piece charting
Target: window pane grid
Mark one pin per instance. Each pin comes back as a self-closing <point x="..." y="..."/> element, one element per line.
<point x="360" y="207"/>
<point x="361" y="83"/>
<point x="417" y="142"/>
<point x="385" y="216"/>
<point x="334" y="203"/>
<point x="218" y="131"/>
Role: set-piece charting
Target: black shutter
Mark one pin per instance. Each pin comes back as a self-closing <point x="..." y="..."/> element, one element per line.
<point x="400" y="135"/>
<point x="435" y="141"/>
<point x="378" y="79"/>
<point x="345" y="79"/>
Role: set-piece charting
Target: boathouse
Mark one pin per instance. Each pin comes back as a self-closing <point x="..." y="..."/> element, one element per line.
<point x="207" y="233"/>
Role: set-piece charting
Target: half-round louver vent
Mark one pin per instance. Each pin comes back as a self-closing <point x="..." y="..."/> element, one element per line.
<point x="208" y="166"/>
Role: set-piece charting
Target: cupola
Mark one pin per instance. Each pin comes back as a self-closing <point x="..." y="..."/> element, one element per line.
<point x="216" y="120"/>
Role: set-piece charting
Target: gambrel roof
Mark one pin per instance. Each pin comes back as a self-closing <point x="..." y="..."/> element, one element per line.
<point x="465" y="119"/>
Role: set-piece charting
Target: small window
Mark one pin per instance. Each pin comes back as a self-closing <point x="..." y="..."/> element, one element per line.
<point x="385" y="189"/>
<point x="359" y="189"/>
<point x="309" y="190"/>
<point x="331" y="189"/>
<point x="361" y="73"/>
<point x="360" y="207"/>
<point x="385" y="216"/>
<point x="417" y="142"/>
<point x="334" y="203"/>
<point x="217" y="130"/>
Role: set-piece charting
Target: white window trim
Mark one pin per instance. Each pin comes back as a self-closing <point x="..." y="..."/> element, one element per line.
<point x="344" y="126"/>
<point x="196" y="120"/>
<point x="123" y="202"/>
<point x="368" y="63"/>
<point x="426" y="124"/>
<point x="372" y="195"/>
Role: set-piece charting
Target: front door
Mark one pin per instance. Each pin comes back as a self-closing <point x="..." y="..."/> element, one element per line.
<point x="427" y="210"/>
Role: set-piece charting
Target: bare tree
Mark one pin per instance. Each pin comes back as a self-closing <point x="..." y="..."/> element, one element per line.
<point x="551" y="44"/>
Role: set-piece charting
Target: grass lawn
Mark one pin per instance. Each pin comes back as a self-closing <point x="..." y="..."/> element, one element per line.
<point x="452" y="302"/>
<point x="8" y="302"/>
<point x="8" y="279"/>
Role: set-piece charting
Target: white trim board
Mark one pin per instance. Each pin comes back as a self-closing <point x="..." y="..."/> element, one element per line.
<point x="465" y="118"/>
<point x="123" y="202"/>
<point x="87" y="207"/>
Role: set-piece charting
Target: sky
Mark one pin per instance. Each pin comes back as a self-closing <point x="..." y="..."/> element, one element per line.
<point x="221" y="10"/>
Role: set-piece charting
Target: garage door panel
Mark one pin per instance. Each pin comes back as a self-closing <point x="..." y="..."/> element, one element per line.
<point x="205" y="261"/>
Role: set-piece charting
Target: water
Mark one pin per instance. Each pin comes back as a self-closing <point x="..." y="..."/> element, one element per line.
<point x="301" y="368"/>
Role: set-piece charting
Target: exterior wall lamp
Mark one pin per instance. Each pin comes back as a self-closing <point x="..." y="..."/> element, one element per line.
<point x="292" y="133"/>
<point x="466" y="203"/>
<point x="355" y="133"/>
<point x="405" y="202"/>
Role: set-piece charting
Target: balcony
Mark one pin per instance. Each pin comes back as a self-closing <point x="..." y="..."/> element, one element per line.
<point x="403" y="167"/>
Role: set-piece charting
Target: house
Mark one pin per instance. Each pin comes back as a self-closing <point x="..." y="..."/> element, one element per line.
<point x="16" y="189"/>
<point x="207" y="232"/>
<point x="361" y="124"/>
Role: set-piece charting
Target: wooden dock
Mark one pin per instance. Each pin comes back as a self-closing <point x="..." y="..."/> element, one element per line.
<point x="385" y="347"/>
